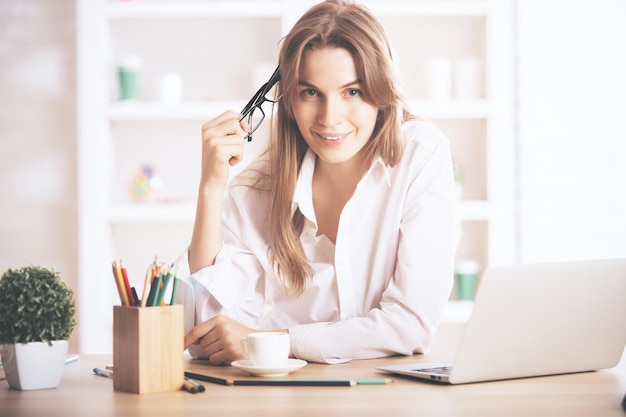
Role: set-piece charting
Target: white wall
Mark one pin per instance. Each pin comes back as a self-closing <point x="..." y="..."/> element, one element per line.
<point x="572" y="135"/>
<point x="38" y="138"/>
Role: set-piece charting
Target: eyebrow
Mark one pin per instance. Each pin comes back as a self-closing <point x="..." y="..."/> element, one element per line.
<point x="307" y="84"/>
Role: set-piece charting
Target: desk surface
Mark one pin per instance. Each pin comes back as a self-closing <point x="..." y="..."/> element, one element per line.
<point x="81" y="394"/>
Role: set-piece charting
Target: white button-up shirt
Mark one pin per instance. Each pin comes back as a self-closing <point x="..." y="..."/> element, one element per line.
<point x="379" y="290"/>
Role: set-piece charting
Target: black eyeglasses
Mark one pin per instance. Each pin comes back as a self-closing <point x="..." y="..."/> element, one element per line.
<point x="257" y="101"/>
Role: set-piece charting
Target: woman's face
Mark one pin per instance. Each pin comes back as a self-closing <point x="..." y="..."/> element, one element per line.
<point x="329" y="106"/>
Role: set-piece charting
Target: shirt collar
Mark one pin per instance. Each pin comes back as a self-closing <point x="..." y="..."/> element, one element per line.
<point x="303" y="194"/>
<point x="379" y="171"/>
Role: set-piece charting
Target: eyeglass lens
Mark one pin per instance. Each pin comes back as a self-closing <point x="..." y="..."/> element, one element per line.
<point x="257" y="101"/>
<point x="254" y="124"/>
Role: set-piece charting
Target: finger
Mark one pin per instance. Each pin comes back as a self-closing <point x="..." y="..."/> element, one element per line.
<point x="226" y="116"/>
<point x="198" y="332"/>
<point x="226" y="150"/>
<point x="217" y="350"/>
<point x="244" y="124"/>
<point x="226" y="124"/>
<point x="224" y="356"/>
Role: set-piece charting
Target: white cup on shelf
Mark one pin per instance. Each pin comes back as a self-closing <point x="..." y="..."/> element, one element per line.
<point x="171" y="89"/>
<point x="438" y="78"/>
<point x="467" y="78"/>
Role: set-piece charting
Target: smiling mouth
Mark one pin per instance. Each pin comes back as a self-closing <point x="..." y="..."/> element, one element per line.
<point x="333" y="137"/>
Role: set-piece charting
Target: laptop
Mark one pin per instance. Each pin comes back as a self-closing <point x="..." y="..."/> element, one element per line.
<point x="538" y="319"/>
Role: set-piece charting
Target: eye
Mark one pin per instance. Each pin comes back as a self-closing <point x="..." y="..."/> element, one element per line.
<point x="353" y="92"/>
<point x="309" y="92"/>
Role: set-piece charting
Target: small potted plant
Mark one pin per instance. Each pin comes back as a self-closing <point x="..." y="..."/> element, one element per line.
<point x="37" y="314"/>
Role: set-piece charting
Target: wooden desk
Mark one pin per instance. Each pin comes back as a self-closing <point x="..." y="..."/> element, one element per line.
<point x="82" y="394"/>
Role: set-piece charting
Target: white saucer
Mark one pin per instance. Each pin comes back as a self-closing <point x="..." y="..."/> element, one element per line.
<point x="290" y="366"/>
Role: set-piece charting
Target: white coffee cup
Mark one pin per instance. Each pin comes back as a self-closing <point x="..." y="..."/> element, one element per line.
<point x="266" y="349"/>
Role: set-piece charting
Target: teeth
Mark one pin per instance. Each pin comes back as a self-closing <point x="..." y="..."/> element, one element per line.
<point x="332" y="137"/>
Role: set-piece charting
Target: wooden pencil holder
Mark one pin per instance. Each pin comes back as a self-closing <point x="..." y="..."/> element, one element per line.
<point x="148" y="345"/>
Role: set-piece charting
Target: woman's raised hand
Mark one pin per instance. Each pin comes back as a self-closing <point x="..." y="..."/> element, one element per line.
<point x="222" y="147"/>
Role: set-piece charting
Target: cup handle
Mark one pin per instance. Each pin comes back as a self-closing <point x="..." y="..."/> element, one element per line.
<point x="244" y="347"/>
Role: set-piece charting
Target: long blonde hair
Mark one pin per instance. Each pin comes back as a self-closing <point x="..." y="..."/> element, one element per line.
<point x="333" y="23"/>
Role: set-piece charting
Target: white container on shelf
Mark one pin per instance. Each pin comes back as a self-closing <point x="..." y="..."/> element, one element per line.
<point x="171" y="89"/>
<point x="467" y="78"/>
<point x="438" y="78"/>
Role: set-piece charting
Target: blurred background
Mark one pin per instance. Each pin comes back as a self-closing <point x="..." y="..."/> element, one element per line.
<point x="531" y="94"/>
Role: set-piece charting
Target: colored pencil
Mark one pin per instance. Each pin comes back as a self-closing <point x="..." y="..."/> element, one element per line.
<point x="192" y="386"/>
<point x="312" y="382"/>
<point x="120" y="284"/>
<point x="129" y="292"/>
<point x="146" y="286"/>
<point x="154" y="290"/>
<point x="135" y="297"/>
<point x="174" y="291"/>
<point x="167" y="277"/>
<point x="291" y="382"/>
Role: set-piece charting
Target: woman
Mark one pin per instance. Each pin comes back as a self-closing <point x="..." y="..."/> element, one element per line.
<point x="343" y="232"/>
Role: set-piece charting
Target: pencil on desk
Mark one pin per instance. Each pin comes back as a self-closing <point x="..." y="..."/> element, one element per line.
<point x="311" y="382"/>
<point x="71" y="358"/>
<point x="207" y="378"/>
<point x="103" y="372"/>
<point x="373" y="381"/>
<point x="192" y="386"/>
<point x="291" y="382"/>
<point x="294" y="383"/>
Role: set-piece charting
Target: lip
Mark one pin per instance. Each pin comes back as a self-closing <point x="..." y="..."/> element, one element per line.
<point x="332" y="138"/>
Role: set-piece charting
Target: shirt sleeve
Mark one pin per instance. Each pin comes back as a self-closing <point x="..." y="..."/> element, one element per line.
<point x="232" y="286"/>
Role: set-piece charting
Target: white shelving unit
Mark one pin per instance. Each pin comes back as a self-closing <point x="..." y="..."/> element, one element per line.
<point x="215" y="46"/>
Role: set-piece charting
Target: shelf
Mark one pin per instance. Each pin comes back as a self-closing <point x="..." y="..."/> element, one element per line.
<point x="268" y="8"/>
<point x="151" y="111"/>
<point x="383" y="8"/>
<point x="193" y="8"/>
<point x="457" y="312"/>
<point x="152" y="212"/>
<point x="474" y="210"/>
<point x="155" y="212"/>
<point x="203" y="111"/>
<point x="450" y="109"/>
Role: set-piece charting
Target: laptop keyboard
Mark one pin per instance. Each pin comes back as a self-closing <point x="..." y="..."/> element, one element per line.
<point x="440" y="370"/>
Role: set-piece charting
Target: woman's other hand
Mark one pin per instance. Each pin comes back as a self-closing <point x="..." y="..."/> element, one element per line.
<point x="220" y="339"/>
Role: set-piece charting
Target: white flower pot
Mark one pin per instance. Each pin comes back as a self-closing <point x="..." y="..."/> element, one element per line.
<point x="36" y="365"/>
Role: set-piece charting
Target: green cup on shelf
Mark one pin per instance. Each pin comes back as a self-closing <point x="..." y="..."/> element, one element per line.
<point x="466" y="279"/>
<point x="128" y="69"/>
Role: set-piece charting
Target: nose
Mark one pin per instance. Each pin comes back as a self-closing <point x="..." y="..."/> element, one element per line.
<point x="330" y="112"/>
